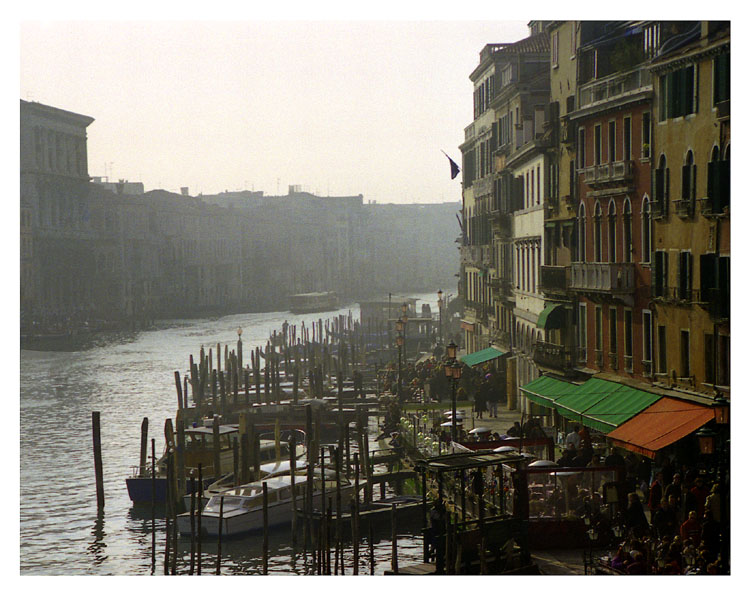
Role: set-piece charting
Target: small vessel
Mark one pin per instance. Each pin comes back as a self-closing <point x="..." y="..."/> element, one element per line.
<point x="313" y="302"/>
<point x="242" y="509"/>
<point x="199" y="449"/>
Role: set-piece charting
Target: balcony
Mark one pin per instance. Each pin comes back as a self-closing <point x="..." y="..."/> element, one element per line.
<point x="554" y="356"/>
<point x="618" y="86"/>
<point x="614" y="278"/>
<point x="620" y="172"/>
<point x="555" y="279"/>
<point x="471" y="254"/>
<point x="684" y="296"/>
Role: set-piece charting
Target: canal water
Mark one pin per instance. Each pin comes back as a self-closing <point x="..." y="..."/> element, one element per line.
<point x="127" y="377"/>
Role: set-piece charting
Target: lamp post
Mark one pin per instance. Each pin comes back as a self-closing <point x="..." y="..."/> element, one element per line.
<point x="404" y="320"/>
<point x="707" y="444"/>
<point x="453" y="372"/>
<point x="440" y="316"/>
<point x="399" y="343"/>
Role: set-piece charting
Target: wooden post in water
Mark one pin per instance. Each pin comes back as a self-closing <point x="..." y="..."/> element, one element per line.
<point x="355" y="537"/>
<point x="98" y="468"/>
<point x="144" y="449"/>
<point x="425" y="546"/>
<point x="372" y="547"/>
<point x="223" y="390"/>
<point x="200" y="520"/>
<point x="180" y="454"/>
<point x="265" y="529"/>
<point x="153" y="506"/>
<point x="295" y="385"/>
<point x="167" y="517"/>
<point x="244" y="450"/>
<point x="217" y="448"/>
<point x="246" y="373"/>
<point x="292" y="472"/>
<point x="235" y="461"/>
<point x="221" y="530"/>
<point x="178" y="384"/>
<point x="394" y="540"/>
<point x="192" y="523"/>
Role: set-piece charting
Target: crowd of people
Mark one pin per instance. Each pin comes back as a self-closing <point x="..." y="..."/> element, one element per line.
<point x="677" y="532"/>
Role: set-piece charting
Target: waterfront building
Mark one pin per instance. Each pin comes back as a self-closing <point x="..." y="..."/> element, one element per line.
<point x="504" y="185"/>
<point x="691" y="209"/>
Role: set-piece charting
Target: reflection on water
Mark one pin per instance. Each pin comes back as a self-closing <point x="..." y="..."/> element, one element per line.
<point x="127" y="377"/>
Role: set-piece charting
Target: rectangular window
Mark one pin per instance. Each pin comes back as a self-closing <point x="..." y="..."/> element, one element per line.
<point x="660" y="271"/>
<point x="709" y="358"/>
<point x="646" y="135"/>
<point x="661" y="341"/>
<point x="597" y="144"/>
<point x="678" y="93"/>
<point x="613" y="330"/>
<point x="538" y="186"/>
<point x="684" y="353"/>
<point x="581" y="148"/>
<point x="611" y="141"/>
<point x="685" y="275"/>
<point x="723" y="356"/>
<point x="554" y="48"/>
<point x="582" y="336"/>
<point x="627" y="139"/>
<point x="721" y="78"/>
<point x="573" y="40"/>
<point x="648" y="342"/>
<point x="628" y="338"/>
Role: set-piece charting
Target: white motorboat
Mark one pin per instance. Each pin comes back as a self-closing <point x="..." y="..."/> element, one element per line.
<point x="242" y="509"/>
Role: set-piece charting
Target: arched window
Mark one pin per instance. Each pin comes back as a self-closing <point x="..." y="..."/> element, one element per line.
<point x="582" y="232"/>
<point x="627" y="232"/>
<point x="598" y="233"/>
<point x="646" y="231"/>
<point x="687" y="206"/>
<point x="611" y="231"/>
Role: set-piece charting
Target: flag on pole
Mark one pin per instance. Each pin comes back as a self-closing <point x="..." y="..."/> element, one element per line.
<point x="454" y="166"/>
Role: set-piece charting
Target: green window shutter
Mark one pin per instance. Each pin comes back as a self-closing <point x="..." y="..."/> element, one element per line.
<point x="722" y="184"/>
<point x="658" y="273"/>
<point x="708" y="266"/>
<point x="685" y="182"/>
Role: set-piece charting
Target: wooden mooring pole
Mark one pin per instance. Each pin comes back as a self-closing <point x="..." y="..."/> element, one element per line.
<point x="98" y="468"/>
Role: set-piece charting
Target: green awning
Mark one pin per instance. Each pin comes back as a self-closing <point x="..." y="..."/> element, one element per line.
<point x="481" y="356"/>
<point x="618" y="407"/>
<point x="545" y="390"/>
<point x="604" y="405"/>
<point x="551" y="317"/>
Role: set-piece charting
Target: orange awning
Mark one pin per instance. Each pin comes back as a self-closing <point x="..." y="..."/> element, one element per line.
<point x="661" y="424"/>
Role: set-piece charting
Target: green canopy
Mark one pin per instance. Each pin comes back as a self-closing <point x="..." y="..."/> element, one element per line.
<point x="545" y="390"/>
<point x="618" y="407"/>
<point x="604" y="405"/>
<point x="551" y="317"/>
<point x="481" y="356"/>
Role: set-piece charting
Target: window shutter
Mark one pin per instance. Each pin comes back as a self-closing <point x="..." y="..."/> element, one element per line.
<point x="724" y="294"/>
<point x="658" y="273"/>
<point x="708" y="266"/>
<point x="658" y="191"/>
<point x="666" y="191"/>
<point x="686" y="182"/>
<point x="722" y="184"/>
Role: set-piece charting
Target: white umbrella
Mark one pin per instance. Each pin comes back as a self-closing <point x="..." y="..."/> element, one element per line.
<point x="458" y="413"/>
<point x="449" y="424"/>
<point x="543" y="463"/>
<point x="480" y="430"/>
<point x="504" y="449"/>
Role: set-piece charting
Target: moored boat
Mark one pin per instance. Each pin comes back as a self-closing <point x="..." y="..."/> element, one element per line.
<point x="242" y="508"/>
<point x="313" y="302"/>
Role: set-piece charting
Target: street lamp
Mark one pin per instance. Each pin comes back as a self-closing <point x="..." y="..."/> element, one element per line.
<point x="399" y="343"/>
<point x="440" y="319"/>
<point x="453" y="372"/>
<point x="404" y="320"/>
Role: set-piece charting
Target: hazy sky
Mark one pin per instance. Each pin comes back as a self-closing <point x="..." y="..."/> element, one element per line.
<point x="338" y="107"/>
